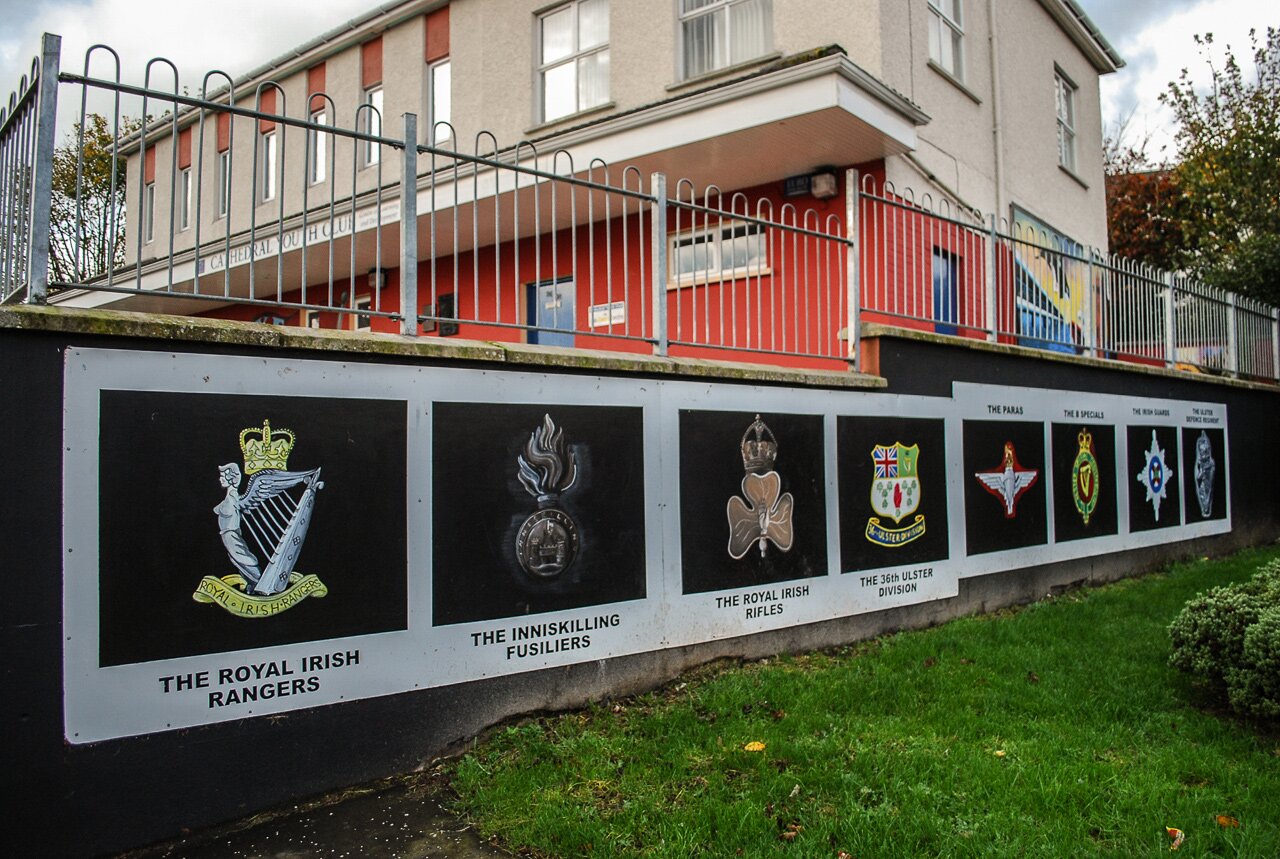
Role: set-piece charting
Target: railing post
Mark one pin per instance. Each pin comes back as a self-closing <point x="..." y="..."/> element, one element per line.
<point x="1275" y="343"/>
<point x="853" y="280"/>
<point x="409" y="229"/>
<point x="1170" y="338"/>
<point x="658" y="279"/>
<point x="42" y="170"/>
<point x="1233" y="342"/>
<point x="993" y="317"/>
<point x="1090" y="310"/>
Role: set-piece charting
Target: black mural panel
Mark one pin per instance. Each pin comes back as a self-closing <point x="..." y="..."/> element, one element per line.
<point x="1084" y="481"/>
<point x="1004" y="486"/>
<point x="1154" y="496"/>
<point x="893" y="491"/>
<point x="535" y="508"/>
<point x="752" y="499"/>
<point x="213" y="539"/>
<point x="1204" y="473"/>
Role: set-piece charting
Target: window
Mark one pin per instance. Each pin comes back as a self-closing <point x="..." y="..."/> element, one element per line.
<point x="1065" y="96"/>
<point x="224" y="183"/>
<point x="946" y="34"/>
<point x="946" y="290"/>
<point x="717" y="34"/>
<point x="311" y="318"/>
<point x="722" y="253"/>
<point x="372" y="124"/>
<point x="573" y="58"/>
<point x="267" y="167"/>
<point x="440" y="105"/>
<point x="318" y="148"/>
<point x="149" y="212"/>
<point x="184" y="199"/>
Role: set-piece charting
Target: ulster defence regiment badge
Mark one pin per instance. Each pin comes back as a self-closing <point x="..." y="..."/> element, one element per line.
<point x="1084" y="477"/>
<point x="547" y="542"/>
<point x="1155" y="475"/>
<point x="264" y="528"/>
<point x="1205" y="471"/>
<point x="1008" y="480"/>
<point x="895" y="492"/>
<point x="765" y="516"/>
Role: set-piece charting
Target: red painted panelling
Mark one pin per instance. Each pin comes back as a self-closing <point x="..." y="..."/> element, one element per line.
<point x="224" y="132"/>
<point x="315" y="84"/>
<point x="149" y="166"/>
<point x="371" y="63"/>
<point x="267" y="104"/>
<point x="184" y="148"/>
<point x="437" y="26"/>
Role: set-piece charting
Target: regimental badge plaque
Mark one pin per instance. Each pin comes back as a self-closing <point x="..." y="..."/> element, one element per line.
<point x="1204" y="474"/>
<point x="1004" y="493"/>
<point x="764" y="517"/>
<point x="1154" y="498"/>
<point x="1084" y="463"/>
<point x="547" y="542"/>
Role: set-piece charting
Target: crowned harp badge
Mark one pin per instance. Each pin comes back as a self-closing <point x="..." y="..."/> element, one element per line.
<point x="547" y="542"/>
<point x="263" y="528"/>
<point x="1085" y="476"/>
<point x="765" y="516"/>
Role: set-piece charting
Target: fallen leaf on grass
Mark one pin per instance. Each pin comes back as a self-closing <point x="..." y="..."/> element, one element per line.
<point x="930" y="662"/>
<point x="795" y="791"/>
<point x="1177" y="835"/>
<point x="753" y="746"/>
<point x="790" y="833"/>
<point x="1000" y="753"/>
<point x="1227" y="822"/>
<point x="1033" y="677"/>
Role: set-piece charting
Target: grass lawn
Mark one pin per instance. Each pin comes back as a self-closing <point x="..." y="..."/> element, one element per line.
<point x="1053" y="730"/>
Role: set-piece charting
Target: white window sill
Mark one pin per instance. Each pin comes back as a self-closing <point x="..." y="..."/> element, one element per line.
<point x="954" y="81"/>
<point x="724" y="72"/>
<point x="1065" y="169"/>
<point x="571" y="117"/>
<point x="722" y="278"/>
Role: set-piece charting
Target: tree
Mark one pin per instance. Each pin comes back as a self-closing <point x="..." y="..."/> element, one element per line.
<point x="1145" y="205"/>
<point x="1229" y="170"/>
<point x="87" y="240"/>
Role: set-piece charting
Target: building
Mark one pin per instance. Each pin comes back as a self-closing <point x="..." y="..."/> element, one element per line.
<point x="980" y="107"/>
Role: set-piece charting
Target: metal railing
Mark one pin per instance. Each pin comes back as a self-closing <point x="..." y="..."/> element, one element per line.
<point x="233" y="203"/>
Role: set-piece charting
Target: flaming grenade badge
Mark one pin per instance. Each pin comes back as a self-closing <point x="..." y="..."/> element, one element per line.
<point x="548" y="540"/>
<point x="766" y="514"/>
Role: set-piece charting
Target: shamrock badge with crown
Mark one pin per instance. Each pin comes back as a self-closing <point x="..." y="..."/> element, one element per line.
<point x="263" y="529"/>
<point x="765" y="516"/>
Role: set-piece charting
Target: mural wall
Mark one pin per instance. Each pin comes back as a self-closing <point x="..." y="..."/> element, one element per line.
<point x="248" y="536"/>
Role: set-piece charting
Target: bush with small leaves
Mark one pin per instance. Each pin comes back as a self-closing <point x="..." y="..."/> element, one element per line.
<point x="1228" y="640"/>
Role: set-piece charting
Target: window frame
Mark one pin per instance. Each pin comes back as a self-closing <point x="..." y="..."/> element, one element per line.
<point x="268" y="150"/>
<point x="716" y="7"/>
<point x="224" y="182"/>
<point x="715" y="272"/>
<point x="185" y="189"/>
<point x="149" y="212"/>
<point x="575" y="55"/>
<point x="318" y="163"/>
<point x="952" y="27"/>
<point x="373" y="100"/>
<point x="433" y="108"/>
<point x="1064" y="95"/>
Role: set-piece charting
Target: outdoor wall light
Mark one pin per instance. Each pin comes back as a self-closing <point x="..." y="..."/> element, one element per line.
<point x="823" y="185"/>
<point x="377" y="279"/>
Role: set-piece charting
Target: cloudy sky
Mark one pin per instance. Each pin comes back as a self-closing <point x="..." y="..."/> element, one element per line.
<point x="1154" y="37"/>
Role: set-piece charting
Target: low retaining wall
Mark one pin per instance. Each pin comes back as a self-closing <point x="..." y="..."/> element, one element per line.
<point x="249" y="565"/>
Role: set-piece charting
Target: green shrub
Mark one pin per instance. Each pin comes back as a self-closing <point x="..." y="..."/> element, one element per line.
<point x="1228" y="639"/>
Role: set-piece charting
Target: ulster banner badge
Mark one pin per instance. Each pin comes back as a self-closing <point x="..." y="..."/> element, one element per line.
<point x="263" y="529"/>
<point x="1155" y="475"/>
<point x="1008" y="480"/>
<point x="895" y="493"/>
<point x="766" y="514"/>
<point x="1084" y="477"/>
<point x="548" y="540"/>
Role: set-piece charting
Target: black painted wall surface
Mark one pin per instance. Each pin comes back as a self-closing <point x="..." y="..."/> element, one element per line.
<point x="86" y="800"/>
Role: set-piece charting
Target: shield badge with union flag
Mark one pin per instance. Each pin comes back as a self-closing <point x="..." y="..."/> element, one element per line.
<point x="895" y="485"/>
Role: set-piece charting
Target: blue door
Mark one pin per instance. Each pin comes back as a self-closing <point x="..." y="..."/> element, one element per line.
<point x="551" y="319"/>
